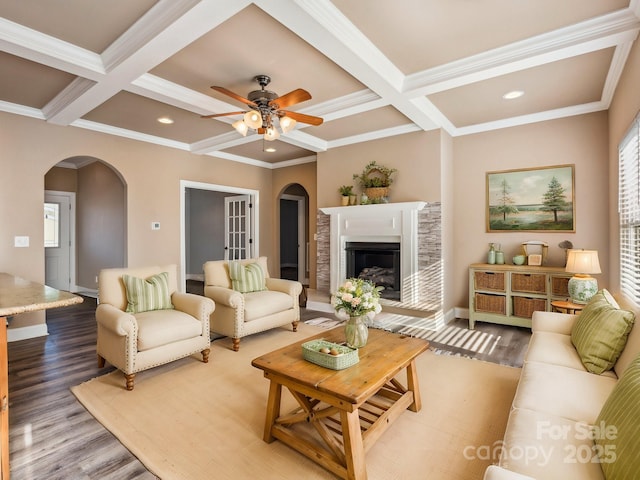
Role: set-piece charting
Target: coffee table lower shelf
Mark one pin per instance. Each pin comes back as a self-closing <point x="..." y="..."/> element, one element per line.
<point x="342" y="437"/>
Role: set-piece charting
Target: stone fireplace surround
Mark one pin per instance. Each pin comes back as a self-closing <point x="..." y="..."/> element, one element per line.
<point x="415" y="225"/>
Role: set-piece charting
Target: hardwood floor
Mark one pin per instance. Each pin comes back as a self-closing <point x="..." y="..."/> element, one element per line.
<point x="52" y="436"/>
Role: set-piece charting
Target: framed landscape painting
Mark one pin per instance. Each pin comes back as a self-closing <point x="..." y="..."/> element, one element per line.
<point x="531" y="200"/>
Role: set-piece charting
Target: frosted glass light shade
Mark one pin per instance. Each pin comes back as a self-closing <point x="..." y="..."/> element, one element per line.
<point x="241" y="127"/>
<point x="271" y="134"/>
<point x="253" y="119"/>
<point x="287" y="124"/>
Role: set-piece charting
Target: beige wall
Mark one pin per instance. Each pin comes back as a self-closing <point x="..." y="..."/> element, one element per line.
<point x="624" y="107"/>
<point x="580" y="140"/>
<point x="61" y="179"/>
<point x="152" y="173"/>
<point x="415" y="155"/>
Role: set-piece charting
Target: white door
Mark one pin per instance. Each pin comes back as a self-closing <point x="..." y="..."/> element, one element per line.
<point x="58" y="239"/>
<point x="237" y="227"/>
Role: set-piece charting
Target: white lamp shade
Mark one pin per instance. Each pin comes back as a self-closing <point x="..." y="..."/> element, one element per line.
<point x="271" y="134"/>
<point x="253" y="119"/>
<point x="583" y="261"/>
<point x="287" y="124"/>
<point x="241" y="127"/>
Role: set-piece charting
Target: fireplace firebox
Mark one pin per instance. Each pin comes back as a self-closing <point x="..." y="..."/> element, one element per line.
<point x="378" y="262"/>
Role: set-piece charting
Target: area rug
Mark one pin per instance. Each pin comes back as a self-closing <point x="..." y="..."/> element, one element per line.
<point x="190" y="420"/>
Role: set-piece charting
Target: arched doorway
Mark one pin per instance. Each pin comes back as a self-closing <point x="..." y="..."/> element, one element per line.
<point x="294" y="233"/>
<point x="98" y="219"/>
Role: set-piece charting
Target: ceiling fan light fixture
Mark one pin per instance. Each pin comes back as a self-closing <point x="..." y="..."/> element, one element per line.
<point x="240" y="127"/>
<point x="271" y="134"/>
<point x="287" y="124"/>
<point x="253" y="119"/>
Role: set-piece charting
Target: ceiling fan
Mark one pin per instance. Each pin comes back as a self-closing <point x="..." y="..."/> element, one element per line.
<point x="266" y="109"/>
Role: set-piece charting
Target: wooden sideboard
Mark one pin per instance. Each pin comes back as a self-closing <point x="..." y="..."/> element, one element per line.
<point x="18" y="295"/>
<point x="509" y="294"/>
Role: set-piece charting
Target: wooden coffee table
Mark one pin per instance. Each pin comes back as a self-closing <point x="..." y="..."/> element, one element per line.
<point x="341" y="413"/>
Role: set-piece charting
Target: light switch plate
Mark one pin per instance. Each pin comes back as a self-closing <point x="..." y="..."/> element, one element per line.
<point x="21" y="241"/>
<point x="155" y="225"/>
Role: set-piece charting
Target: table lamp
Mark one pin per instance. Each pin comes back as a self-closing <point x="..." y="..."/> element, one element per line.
<point x="582" y="263"/>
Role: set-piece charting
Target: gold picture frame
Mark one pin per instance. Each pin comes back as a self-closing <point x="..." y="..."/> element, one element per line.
<point x="531" y="200"/>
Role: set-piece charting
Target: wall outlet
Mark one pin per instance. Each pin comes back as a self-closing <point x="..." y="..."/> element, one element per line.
<point x="155" y="225"/>
<point x="20" y="242"/>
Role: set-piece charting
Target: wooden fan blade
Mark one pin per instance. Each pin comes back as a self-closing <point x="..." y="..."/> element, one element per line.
<point x="301" y="117"/>
<point x="223" y="114"/>
<point x="291" y="98"/>
<point x="234" y="95"/>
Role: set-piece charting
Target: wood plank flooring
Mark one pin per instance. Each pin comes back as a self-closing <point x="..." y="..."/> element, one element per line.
<point x="52" y="436"/>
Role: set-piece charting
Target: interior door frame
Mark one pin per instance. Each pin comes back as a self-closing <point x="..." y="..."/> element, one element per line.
<point x="72" y="234"/>
<point x="302" y="244"/>
<point x="255" y="226"/>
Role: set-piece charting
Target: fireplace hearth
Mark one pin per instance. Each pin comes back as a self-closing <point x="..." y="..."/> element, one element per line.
<point x="378" y="262"/>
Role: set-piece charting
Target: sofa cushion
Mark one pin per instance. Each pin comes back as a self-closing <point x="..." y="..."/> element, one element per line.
<point x="547" y="447"/>
<point x="619" y="427"/>
<point x="562" y="391"/>
<point x="158" y="328"/>
<point x="246" y="278"/>
<point x="147" y="294"/>
<point x="261" y="304"/>
<point x="600" y="332"/>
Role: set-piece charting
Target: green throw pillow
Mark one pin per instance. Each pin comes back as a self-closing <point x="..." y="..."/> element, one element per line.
<point x="600" y="332"/>
<point x="150" y="294"/>
<point x="617" y="430"/>
<point x="246" y="278"/>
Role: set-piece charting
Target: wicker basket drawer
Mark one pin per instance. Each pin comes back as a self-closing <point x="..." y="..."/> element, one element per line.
<point x="524" y="307"/>
<point x="559" y="286"/>
<point x="490" y="303"/>
<point x="529" y="282"/>
<point x="489" y="281"/>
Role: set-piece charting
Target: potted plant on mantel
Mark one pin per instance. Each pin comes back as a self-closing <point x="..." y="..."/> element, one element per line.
<point x="346" y="191"/>
<point x="375" y="181"/>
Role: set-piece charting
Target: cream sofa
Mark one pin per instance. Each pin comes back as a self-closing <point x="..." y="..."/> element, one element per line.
<point x="240" y="314"/>
<point x="548" y="435"/>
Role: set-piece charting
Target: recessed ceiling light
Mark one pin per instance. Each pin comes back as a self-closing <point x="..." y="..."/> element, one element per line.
<point x="165" y="120"/>
<point x="513" y="94"/>
<point x="270" y="149"/>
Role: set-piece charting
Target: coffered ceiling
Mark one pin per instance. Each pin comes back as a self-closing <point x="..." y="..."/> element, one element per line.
<point x="374" y="68"/>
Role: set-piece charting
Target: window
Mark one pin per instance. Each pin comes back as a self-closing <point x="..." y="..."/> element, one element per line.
<point x="51" y="225"/>
<point x="629" y="211"/>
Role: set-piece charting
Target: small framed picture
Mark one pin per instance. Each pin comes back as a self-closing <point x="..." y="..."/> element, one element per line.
<point x="534" y="259"/>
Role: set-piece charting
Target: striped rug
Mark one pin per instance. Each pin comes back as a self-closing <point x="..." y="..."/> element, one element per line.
<point x="447" y="340"/>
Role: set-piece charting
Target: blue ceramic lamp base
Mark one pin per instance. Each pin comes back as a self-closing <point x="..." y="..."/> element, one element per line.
<point x="582" y="288"/>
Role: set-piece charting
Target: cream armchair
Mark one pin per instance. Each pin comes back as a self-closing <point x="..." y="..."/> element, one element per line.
<point x="240" y="314"/>
<point x="133" y="342"/>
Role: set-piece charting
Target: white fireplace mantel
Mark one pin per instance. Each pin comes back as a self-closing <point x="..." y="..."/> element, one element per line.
<point x="384" y="222"/>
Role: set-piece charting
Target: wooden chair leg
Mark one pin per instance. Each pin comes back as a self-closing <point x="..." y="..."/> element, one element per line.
<point x="236" y="344"/>
<point x="100" y="362"/>
<point x="295" y="326"/>
<point x="129" y="380"/>
<point x="205" y="355"/>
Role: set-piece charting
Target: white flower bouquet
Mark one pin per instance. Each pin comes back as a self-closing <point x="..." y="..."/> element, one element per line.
<point x="357" y="297"/>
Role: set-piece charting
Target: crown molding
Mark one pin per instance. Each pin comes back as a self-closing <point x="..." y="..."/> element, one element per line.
<point x="615" y="72"/>
<point x="130" y="134"/>
<point x="369" y="136"/>
<point x="595" y="34"/>
<point x="50" y="51"/>
<point x="23" y="110"/>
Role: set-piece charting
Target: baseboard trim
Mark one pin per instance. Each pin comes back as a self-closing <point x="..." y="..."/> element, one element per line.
<point x="24" y="333"/>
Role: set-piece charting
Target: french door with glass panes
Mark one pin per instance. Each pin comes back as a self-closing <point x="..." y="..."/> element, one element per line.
<point x="238" y="227"/>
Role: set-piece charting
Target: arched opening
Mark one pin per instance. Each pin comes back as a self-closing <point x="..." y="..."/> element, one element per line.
<point x="294" y="233"/>
<point x="93" y="234"/>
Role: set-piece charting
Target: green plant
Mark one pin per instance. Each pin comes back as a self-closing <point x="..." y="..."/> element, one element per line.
<point x="375" y="175"/>
<point x="346" y="190"/>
